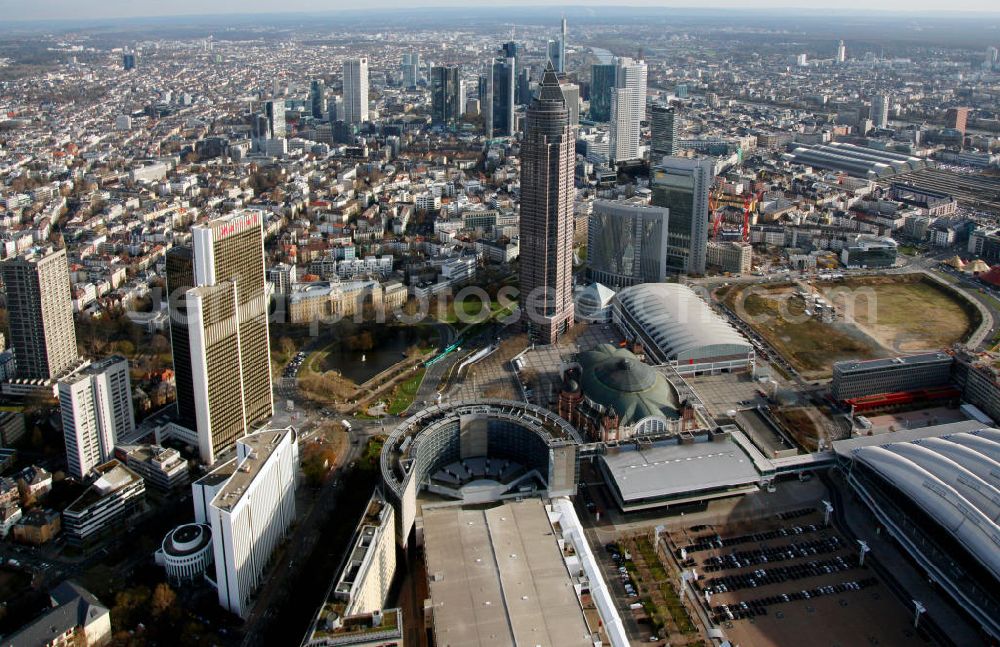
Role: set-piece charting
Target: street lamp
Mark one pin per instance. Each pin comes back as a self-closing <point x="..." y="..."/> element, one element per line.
<point x="864" y="550"/>
<point x="919" y="610"/>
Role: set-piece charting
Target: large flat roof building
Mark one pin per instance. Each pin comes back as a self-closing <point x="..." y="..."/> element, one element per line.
<point x="497" y="578"/>
<point x="682" y="469"/>
<point x="854" y="378"/>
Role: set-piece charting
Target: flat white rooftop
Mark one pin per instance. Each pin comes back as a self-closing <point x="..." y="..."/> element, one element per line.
<point x="497" y="578"/>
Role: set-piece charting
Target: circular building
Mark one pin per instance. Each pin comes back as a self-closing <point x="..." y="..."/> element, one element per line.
<point x="477" y="451"/>
<point x="186" y="552"/>
<point x="675" y="326"/>
<point x="621" y="396"/>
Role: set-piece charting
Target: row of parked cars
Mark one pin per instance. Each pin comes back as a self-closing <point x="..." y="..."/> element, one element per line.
<point x="293" y="366"/>
<point x="778" y="574"/>
<point x="771" y="554"/>
<point x="710" y="542"/>
<point x="619" y="559"/>
<point x="758" y="607"/>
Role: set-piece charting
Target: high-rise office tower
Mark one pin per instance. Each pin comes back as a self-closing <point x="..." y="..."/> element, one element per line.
<point x="663" y="131"/>
<point x="410" y="70"/>
<point x="96" y="407"/>
<point x="219" y="329"/>
<point x="554" y="53"/>
<point x="356" y="90"/>
<point x="40" y="314"/>
<point x="603" y="79"/>
<point x="880" y="111"/>
<point x="547" y="195"/>
<point x="571" y="92"/>
<point x="446" y="94"/>
<point x="523" y="93"/>
<point x="499" y="117"/>
<point x="682" y="185"/>
<point x="512" y="50"/>
<point x="562" y="48"/>
<point x="249" y="502"/>
<point x="992" y="58"/>
<point x="275" y="112"/>
<point x="317" y="99"/>
<point x="129" y="61"/>
<point x="627" y="243"/>
<point x="628" y="107"/>
<point x="841" y="52"/>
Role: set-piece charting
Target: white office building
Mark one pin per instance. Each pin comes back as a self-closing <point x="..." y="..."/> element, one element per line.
<point x="248" y="502"/>
<point x="96" y="407"/>
<point x="628" y="107"/>
<point x="356" y="90"/>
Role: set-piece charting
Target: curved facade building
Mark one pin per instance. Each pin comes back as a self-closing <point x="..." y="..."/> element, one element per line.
<point x="482" y="439"/>
<point x="939" y="497"/>
<point x="674" y="325"/>
<point x="186" y="552"/>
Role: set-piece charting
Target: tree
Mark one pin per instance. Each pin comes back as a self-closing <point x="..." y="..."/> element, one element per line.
<point x="163" y="600"/>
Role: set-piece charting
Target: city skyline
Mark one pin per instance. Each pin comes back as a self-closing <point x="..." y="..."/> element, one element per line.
<point x="121" y="9"/>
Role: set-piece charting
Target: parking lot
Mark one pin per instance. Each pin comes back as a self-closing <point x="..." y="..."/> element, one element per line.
<point x="772" y="583"/>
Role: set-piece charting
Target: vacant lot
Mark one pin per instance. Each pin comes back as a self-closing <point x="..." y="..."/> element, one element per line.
<point x="875" y="317"/>
<point x="912" y="313"/>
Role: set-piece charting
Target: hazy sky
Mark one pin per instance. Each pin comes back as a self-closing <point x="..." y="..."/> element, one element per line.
<point x="84" y="9"/>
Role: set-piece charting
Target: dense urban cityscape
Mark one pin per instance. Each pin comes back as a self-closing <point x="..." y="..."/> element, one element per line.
<point x="551" y="326"/>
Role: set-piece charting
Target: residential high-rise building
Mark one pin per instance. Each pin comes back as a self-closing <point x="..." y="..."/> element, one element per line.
<point x="880" y="111"/>
<point x="663" y="131"/>
<point x="547" y="195"/>
<point x="274" y="110"/>
<point x="446" y="94"/>
<point x="957" y="118"/>
<point x="628" y="108"/>
<point x="219" y="328"/>
<point x="356" y="90"/>
<point x="249" y="502"/>
<point x="317" y="99"/>
<point x="499" y="116"/>
<point x="841" y="52"/>
<point x="40" y="314"/>
<point x="627" y="243"/>
<point x="96" y="407"/>
<point x="603" y="79"/>
<point x="682" y="185"/>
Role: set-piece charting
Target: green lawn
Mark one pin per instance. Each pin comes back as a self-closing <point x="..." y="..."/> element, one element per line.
<point x="403" y="394"/>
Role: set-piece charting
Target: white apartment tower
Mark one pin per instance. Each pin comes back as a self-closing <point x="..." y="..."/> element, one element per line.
<point x="841" y="52"/>
<point x="628" y="107"/>
<point x="249" y="502"/>
<point x="356" y="90"/>
<point x="96" y="407"/>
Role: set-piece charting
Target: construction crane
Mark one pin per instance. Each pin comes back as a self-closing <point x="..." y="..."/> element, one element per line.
<point x="715" y="218"/>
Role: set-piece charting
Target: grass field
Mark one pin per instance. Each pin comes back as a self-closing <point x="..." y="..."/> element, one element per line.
<point x="877" y="317"/>
<point x="402" y="395"/>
